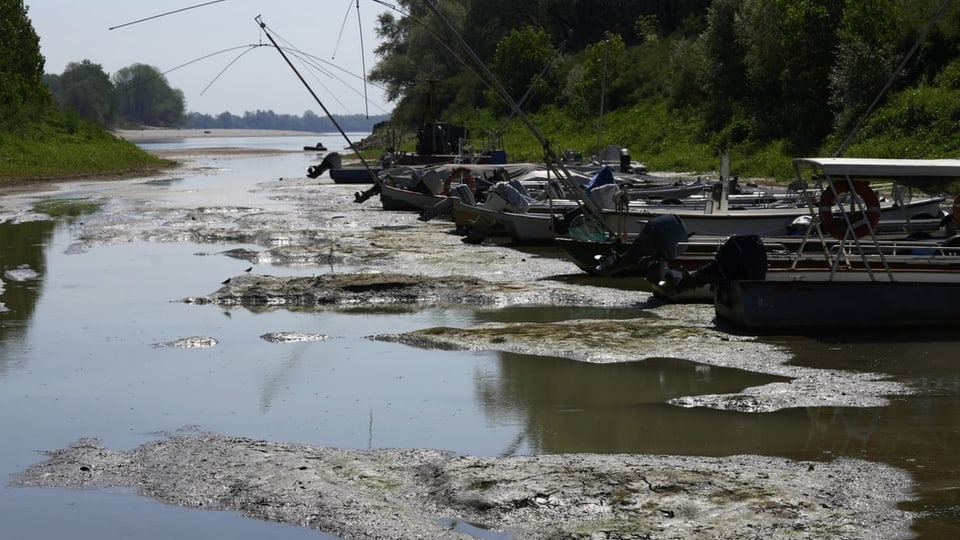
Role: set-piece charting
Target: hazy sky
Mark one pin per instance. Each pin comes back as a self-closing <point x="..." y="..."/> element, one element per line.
<point x="329" y="30"/>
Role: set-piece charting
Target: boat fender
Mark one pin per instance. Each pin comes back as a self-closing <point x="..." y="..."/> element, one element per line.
<point x="861" y="222"/>
<point x="461" y="174"/>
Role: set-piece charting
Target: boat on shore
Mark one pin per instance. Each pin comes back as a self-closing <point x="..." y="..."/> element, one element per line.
<point x="319" y="147"/>
<point x="883" y="289"/>
<point x="718" y="217"/>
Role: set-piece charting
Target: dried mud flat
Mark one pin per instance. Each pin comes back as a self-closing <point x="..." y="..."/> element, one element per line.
<point x="371" y="259"/>
<point x="418" y="493"/>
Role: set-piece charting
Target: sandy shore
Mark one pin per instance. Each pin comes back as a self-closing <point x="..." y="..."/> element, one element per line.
<point x="154" y="134"/>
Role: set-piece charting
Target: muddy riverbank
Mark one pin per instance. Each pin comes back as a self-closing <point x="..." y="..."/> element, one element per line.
<point x="388" y="260"/>
<point x="423" y="493"/>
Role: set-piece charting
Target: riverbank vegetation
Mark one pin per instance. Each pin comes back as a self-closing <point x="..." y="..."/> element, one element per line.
<point x="38" y="141"/>
<point x="678" y="83"/>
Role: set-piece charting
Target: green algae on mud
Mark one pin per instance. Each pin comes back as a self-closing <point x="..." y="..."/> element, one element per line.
<point x="68" y="207"/>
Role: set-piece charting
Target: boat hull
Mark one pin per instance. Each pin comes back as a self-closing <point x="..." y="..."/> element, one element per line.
<point x="913" y="300"/>
<point x="353" y="175"/>
<point x="522" y="229"/>
<point x="394" y="198"/>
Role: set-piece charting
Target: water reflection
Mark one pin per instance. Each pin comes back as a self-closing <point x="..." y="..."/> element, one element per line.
<point x="21" y="244"/>
<point x="565" y="406"/>
<point x="93" y="373"/>
<point x="570" y="406"/>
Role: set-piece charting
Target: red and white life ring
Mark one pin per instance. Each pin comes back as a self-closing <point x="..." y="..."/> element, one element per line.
<point x="860" y="221"/>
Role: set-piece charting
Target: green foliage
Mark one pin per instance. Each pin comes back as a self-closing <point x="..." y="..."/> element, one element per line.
<point x="23" y="95"/>
<point x="37" y="141"/>
<point x="67" y="208"/>
<point x="308" y="121"/>
<point x="762" y="80"/>
<point x="85" y="89"/>
<point x="520" y="59"/>
<point x="949" y="77"/>
<point x="919" y="122"/>
<point x="600" y="75"/>
<point x="647" y="28"/>
<point x="68" y="147"/>
<point x="144" y="97"/>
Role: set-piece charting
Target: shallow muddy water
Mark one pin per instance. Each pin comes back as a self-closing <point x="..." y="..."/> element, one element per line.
<point x="79" y="358"/>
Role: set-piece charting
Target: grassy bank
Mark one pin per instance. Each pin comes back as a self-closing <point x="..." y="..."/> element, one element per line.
<point x="63" y="151"/>
<point x="663" y="139"/>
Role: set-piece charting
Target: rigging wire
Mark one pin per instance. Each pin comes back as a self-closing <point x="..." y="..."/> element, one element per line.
<point x="225" y="68"/>
<point x="343" y="25"/>
<point x="165" y="14"/>
<point x="363" y="63"/>
<point x="195" y="60"/>
<point x="552" y="160"/>
<point x="440" y="39"/>
<point x="892" y="78"/>
<point x="373" y="175"/>
<point x="304" y="58"/>
<point x="309" y="60"/>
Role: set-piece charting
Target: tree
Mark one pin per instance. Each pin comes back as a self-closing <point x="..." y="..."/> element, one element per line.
<point x="725" y="78"/>
<point x="86" y="89"/>
<point x="421" y="64"/>
<point x="810" y="35"/>
<point x="602" y="64"/>
<point x="518" y="62"/>
<point x="144" y="97"/>
<point x="23" y="94"/>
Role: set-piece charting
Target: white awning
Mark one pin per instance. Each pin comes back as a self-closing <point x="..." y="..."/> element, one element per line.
<point x="920" y="173"/>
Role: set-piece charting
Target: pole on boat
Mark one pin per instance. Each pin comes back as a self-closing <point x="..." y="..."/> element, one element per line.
<point x="373" y="176"/>
<point x="603" y="95"/>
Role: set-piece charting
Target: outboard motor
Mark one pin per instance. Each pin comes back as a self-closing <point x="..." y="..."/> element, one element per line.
<point x="662" y="238"/>
<point x="330" y="161"/>
<point x="741" y="257"/>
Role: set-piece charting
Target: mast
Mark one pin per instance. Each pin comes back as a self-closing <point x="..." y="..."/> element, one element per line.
<point x="373" y="175"/>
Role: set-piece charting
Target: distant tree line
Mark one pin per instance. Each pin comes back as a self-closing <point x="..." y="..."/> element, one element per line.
<point x="140" y="95"/>
<point x="137" y="95"/>
<point x="308" y="121"/>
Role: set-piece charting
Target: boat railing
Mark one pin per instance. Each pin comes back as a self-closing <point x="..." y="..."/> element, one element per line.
<point x="913" y="248"/>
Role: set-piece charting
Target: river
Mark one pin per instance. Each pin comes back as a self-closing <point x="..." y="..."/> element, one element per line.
<point x="78" y="358"/>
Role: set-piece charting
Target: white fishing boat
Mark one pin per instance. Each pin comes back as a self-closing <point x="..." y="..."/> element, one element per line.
<point x="718" y="217"/>
<point x="482" y="221"/>
<point x="878" y="291"/>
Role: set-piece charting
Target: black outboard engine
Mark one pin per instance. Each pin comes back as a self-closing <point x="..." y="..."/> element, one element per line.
<point x="330" y="161"/>
<point x="662" y="238"/>
<point x="741" y="257"/>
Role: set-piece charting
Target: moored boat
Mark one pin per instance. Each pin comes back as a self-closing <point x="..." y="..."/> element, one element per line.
<point x="879" y="292"/>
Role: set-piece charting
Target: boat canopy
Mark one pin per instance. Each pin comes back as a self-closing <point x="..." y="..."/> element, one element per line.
<point x="927" y="174"/>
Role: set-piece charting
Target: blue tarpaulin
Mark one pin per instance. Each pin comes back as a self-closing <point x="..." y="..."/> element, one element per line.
<point x="601" y="178"/>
